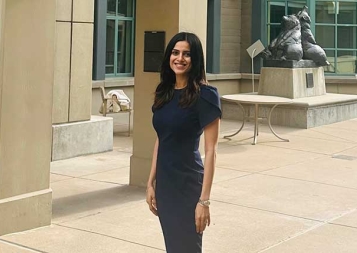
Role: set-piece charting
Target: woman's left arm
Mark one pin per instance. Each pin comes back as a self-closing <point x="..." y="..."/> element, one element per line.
<point x="211" y="138"/>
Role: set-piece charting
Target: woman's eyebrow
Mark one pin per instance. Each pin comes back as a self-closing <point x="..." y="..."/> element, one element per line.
<point x="185" y="51"/>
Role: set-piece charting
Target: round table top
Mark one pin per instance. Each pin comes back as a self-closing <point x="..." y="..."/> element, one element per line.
<point x="256" y="99"/>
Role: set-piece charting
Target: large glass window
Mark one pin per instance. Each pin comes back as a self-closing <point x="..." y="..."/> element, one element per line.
<point x="334" y="24"/>
<point x="120" y="38"/>
<point x="336" y="32"/>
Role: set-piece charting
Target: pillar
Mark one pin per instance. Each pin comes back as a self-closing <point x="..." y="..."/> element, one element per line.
<point x="73" y="61"/>
<point x="27" y="39"/>
<point x="171" y="16"/>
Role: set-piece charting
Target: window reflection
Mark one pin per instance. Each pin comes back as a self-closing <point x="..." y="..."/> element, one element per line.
<point x="109" y="59"/>
<point x="325" y="12"/>
<point x="325" y="36"/>
<point x="274" y="31"/>
<point x="346" y="62"/>
<point x="125" y="8"/>
<point x="124" y="47"/>
<point x="276" y="10"/>
<point x="295" y="6"/>
<point x="346" y="37"/>
<point x="346" y="13"/>
<point x="111" y="7"/>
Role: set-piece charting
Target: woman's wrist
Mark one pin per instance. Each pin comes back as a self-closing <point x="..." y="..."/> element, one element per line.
<point x="204" y="197"/>
<point x="150" y="185"/>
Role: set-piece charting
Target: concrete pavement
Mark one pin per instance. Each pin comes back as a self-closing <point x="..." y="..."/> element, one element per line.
<point x="274" y="197"/>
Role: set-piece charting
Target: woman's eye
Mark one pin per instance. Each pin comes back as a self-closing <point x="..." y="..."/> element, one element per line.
<point x="187" y="55"/>
<point x="175" y="53"/>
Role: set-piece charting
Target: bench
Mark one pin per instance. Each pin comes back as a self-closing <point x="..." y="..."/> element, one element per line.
<point x="105" y="100"/>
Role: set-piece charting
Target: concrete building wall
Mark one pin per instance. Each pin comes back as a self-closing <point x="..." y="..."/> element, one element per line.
<point x="230" y="36"/>
<point x="27" y="72"/>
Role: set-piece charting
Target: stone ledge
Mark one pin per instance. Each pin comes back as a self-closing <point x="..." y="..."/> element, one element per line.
<point x="304" y="112"/>
<point x="228" y="76"/>
<point x="341" y="79"/>
<point x="324" y="100"/>
<point x="114" y="82"/>
<point x="82" y="138"/>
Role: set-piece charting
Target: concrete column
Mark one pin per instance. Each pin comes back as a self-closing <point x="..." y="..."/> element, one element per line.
<point x="73" y="68"/>
<point x="27" y="39"/>
<point x="171" y="16"/>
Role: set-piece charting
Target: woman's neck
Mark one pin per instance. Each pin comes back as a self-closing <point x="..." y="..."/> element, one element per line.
<point x="181" y="82"/>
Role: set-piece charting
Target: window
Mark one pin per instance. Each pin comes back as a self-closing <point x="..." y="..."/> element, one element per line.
<point x="334" y="24"/>
<point x="336" y="32"/>
<point x="120" y="38"/>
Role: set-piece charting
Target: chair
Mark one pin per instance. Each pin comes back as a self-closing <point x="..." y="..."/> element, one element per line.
<point x="105" y="99"/>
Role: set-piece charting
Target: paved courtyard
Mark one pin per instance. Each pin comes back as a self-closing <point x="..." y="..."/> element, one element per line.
<point x="274" y="197"/>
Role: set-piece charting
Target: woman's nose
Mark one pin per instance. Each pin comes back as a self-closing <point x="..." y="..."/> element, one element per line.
<point x="180" y="56"/>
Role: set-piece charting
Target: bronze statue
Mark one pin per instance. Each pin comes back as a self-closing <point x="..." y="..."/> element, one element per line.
<point x="287" y="46"/>
<point x="311" y="50"/>
<point x="295" y="41"/>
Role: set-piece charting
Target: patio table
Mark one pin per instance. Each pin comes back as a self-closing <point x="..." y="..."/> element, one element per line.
<point x="256" y="100"/>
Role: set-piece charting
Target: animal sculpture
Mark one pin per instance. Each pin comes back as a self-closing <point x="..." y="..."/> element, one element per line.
<point x="311" y="51"/>
<point x="287" y="46"/>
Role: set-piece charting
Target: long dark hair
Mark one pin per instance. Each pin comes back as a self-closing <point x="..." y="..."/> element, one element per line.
<point x="196" y="75"/>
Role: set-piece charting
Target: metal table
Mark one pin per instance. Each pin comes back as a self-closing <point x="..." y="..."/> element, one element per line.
<point x="256" y="100"/>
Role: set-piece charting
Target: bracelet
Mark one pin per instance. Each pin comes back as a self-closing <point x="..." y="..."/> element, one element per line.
<point x="204" y="203"/>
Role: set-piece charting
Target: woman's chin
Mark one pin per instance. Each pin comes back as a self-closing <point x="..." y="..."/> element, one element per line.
<point x="180" y="72"/>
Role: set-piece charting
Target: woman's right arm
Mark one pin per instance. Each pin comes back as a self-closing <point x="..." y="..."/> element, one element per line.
<point x="150" y="189"/>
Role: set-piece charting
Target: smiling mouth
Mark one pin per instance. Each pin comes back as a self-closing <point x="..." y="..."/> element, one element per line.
<point x="180" y="64"/>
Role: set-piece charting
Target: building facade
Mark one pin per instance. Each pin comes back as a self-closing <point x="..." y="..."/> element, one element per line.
<point x="230" y="27"/>
<point x="72" y="47"/>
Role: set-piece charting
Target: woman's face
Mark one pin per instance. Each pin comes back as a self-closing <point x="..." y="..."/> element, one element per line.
<point x="180" y="59"/>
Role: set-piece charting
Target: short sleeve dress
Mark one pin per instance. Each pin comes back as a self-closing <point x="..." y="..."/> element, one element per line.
<point x="179" y="169"/>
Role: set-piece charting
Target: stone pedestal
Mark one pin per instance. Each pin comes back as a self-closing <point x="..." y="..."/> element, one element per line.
<point x="292" y="82"/>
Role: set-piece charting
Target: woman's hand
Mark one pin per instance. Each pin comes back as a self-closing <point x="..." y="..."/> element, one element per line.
<point x="151" y="199"/>
<point x="202" y="218"/>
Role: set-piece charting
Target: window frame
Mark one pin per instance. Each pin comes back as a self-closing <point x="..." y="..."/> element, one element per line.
<point x="117" y="19"/>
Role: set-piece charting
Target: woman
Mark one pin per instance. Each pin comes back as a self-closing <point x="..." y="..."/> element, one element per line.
<point x="179" y="186"/>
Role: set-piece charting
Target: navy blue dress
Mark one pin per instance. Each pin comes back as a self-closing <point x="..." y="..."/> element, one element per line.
<point x="179" y="169"/>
